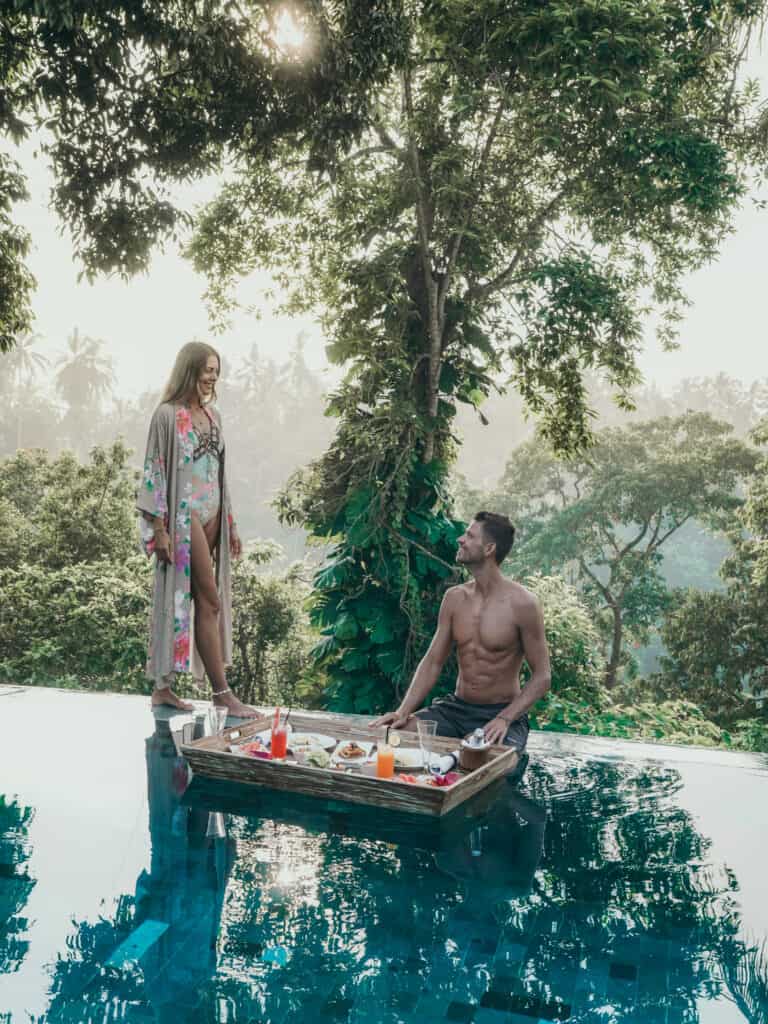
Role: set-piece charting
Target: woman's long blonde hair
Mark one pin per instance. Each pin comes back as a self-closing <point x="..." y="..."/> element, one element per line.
<point x="189" y="365"/>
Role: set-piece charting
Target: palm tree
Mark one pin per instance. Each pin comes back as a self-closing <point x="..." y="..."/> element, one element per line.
<point x="85" y="376"/>
<point x="24" y="364"/>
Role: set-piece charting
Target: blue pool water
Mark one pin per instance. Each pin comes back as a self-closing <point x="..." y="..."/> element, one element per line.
<point x="619" y="882"/>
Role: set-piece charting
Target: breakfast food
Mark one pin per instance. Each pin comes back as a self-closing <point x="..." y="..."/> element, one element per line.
<point x="351" y="751"/>
<point x="318" y="757"/>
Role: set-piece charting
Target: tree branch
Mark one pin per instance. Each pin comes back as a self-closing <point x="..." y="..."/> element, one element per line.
<point x="386" y="139"/>
<point x="669" y="532"/>
<point x="476" y="180"/>
<point x="424" y="551"/>
<point x="633" y="543"/>
<point x="609" y="598"/>
<point x="498" y="282"/>
<point x="426" y="263"/>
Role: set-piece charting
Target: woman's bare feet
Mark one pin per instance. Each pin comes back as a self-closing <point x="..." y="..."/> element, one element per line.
<point x="236" y="708"/>
<point x="165" y="697"/>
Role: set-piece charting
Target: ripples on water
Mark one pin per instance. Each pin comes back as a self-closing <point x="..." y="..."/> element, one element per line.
<point x="585" y="895"/>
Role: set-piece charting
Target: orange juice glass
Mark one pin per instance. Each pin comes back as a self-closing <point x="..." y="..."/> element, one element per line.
<point x="279" y="745"/>
<point x="385" y="763"/>
<point x="385" y="757"/>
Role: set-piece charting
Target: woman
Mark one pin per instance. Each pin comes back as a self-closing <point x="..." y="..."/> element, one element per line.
<point x="186" y="521"/>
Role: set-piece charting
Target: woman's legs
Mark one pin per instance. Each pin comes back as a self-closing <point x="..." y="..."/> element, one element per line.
<point x="206" y="597"/>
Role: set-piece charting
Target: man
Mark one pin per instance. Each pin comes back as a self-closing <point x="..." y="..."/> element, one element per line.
<point x="495" y="624"/>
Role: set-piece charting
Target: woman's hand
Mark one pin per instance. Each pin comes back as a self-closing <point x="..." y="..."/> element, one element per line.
<point x="235" y="544"/>
<point x="163" y="546"/>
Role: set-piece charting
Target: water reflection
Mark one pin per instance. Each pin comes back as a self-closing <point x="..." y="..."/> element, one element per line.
<point x="587" y="897"/>
<point x="159" y="951"/>
<point x="15" y="883"/>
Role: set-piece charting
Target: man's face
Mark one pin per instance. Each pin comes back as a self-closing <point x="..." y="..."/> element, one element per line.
<point x="473" y="548"/>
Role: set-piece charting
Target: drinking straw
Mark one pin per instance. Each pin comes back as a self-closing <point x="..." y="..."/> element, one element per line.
<point x="276" y="722"/>
<point x="285" y="720"/>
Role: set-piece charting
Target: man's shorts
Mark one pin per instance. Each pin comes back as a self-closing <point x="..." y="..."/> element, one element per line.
<point x="457" y="717"/>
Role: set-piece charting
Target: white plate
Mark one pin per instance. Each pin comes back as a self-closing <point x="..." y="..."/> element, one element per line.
<point x="364" y="745"/>
<point x="408" y="757"/>
<point x="302" y="740"/>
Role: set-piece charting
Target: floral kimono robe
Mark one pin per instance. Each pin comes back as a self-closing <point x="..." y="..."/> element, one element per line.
<point x="165" y="490"/>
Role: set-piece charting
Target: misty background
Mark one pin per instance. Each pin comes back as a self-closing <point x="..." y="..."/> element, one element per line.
<point x="101" y="352"/>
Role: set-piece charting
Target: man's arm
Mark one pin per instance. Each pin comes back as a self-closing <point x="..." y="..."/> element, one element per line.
<point x="536" y="652"/>
<point x="428" y="670"/>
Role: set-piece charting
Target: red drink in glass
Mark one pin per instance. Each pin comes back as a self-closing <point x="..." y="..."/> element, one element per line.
<point x="279" y="742"/>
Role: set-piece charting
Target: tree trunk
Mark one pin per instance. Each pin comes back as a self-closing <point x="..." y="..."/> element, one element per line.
<point x="613" y="662"/>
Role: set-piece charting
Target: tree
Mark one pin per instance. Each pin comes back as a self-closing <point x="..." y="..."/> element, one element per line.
<point x="605" y="517"/>
<point x="85" y="376"/>
<point x="130" y="98"/>
<point x="515" y="186"/>
<point x="717" y="643"/>
<point x="68" y="512"/>
<point x="274" y="416"/>
<point x="24" y="362"/>
<point x="18" y="282"/>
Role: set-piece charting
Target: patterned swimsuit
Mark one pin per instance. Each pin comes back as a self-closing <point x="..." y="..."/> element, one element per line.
<point x="206" y="459"/>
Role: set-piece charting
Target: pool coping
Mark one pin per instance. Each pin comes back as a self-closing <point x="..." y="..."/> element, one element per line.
<point x="540" y="740"/>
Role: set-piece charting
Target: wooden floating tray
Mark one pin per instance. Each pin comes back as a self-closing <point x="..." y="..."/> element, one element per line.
<point x="210" y="757"/>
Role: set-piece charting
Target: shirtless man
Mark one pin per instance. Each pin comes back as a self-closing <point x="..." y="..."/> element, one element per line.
<point x="495" y="624"/>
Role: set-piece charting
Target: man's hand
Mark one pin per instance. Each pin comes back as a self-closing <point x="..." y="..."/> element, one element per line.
<point x="163" y="546"/>
<point x="496" y="730"/>
<point x="235" y="544"/>
<point x="395" y="719"/>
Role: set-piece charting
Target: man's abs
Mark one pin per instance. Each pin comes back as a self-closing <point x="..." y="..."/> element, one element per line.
<point x="488" y="677"/>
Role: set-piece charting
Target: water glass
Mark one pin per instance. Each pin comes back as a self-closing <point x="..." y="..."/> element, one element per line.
<point x="217" y="719"/>
<point x="427" y="732"/>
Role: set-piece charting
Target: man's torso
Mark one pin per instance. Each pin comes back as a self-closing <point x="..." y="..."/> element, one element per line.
<point x="486" y="631"/>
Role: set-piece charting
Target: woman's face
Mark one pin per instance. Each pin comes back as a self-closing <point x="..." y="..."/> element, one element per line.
<point x="206" y="382"/>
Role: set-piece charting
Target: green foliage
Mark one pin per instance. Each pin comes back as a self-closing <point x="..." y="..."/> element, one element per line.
<point x="671" y="721"/>
<point x="375" y="600"/>
<point x="59" y="512"/>
<point x="86" y="620"/>
<point x="271" y="636"/>
<point x="18" y="283"/>
<point x="85" y="625"/>
<point x="717" y="643"/>
<point x="526" y="174"/>
<point x="75" y="593"/>
<point x="605" y="517"/>
<point x="135" y="96"/>
<point x="572" y="637"/>
<point x="676" y="721"/>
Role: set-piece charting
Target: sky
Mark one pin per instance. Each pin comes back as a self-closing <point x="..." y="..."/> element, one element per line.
<point x="145" y="321"/>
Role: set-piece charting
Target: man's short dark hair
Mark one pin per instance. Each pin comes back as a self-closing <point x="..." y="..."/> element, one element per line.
<point x="498" y="529"/>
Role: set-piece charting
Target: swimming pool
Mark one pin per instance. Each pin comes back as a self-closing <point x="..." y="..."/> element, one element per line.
<point x="620" y="882"/>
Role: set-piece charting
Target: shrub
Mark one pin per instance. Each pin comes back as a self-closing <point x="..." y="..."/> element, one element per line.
<point x="575" y="645"/>
<point x="87" y="621"/>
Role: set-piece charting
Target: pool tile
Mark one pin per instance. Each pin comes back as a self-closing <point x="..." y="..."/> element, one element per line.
<point x="461" y="1013"/>
<point x="404" y="1002"/>
<point x="511" y="952"/>
<point x="337" y="1008"/>
<point x="623" y="972"/>
<point x="480" y="951"/>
